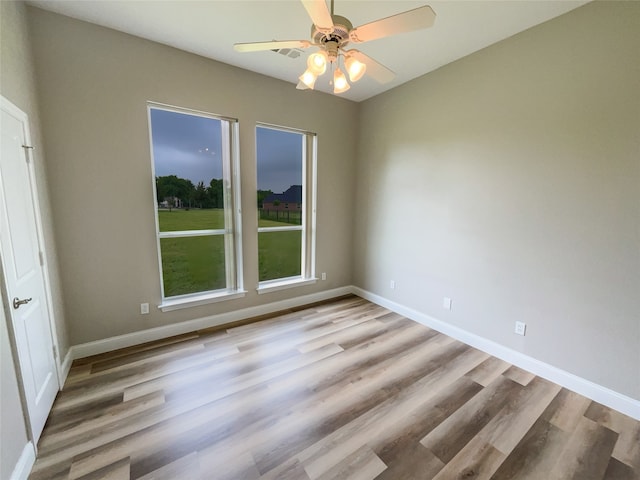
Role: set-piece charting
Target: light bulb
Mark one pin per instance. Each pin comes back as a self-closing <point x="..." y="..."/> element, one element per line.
<point x="308" y="78"/>
<point x="340" y="84"/>
<point x="355" y="68"/>
<point x="317" y="63"/>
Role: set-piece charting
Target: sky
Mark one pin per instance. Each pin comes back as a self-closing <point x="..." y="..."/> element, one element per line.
<point x="279" y="159"/>
<point x="189" y="146"/>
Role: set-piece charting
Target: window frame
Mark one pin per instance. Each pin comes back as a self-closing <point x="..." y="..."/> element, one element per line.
<point x="308" y="213"/>
<point x="232" y="231"/>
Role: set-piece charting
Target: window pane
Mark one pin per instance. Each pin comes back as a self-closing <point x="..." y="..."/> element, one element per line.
<point x="187" y="155"/>
<point x="279" y="254"/>
<point x="192" y="264"/>
<point x="279" y="155"/>
<point x="279" y="163"/>
<point x="194" y="166"/>
<point x="280" y="159"/>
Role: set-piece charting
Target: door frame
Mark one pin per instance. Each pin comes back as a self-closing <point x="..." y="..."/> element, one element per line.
<point x="12" y="109"/>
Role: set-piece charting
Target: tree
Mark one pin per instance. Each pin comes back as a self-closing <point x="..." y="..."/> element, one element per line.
<point x="262" y="194"/>
<point x="216" y="193"/>
<point x="201" y="196"/>
<point x="171" y="187"/>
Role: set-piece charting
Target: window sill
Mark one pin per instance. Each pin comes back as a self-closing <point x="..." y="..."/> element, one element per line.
<point x="197" y="300"/>
<point x="274" y="286"/>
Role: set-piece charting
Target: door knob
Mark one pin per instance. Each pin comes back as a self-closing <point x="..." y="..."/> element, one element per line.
<point x="17" y="302"/>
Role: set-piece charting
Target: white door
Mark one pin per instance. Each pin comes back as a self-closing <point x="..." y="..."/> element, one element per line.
<point x="22" y="268"/>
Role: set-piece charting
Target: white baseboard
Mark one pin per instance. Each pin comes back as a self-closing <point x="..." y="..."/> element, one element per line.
<point x="608" y="397"/>
<point x="143" y="336"/>
<point x="65" y="366"/>
<point x="25" y="463"/>
<point x="603" y="395"/>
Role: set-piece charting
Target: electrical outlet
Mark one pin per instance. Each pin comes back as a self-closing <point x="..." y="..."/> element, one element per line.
<point x="324" y="276"/>
<point x="392" y="284"/>
<point x="144" y="308"/>
<point x="446" y="303"/>
<point x="521" y="328"/>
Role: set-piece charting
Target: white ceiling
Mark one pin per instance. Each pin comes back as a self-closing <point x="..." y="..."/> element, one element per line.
<point x="210" y="28"/>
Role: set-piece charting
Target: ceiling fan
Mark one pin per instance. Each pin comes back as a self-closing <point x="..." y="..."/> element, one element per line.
<point x="332" y="33"/>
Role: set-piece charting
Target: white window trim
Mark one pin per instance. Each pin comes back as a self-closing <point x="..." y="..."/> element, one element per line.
<point x="269" y="286"/>
<point x="197" y="299"/>
<point x="308" y="227"/>
<point x="280" y="229"/>
<point x="191" y="233"/>
<point x="233" y="235"/>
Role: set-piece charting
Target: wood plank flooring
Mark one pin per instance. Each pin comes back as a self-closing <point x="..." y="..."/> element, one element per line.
<point x="339" y="390"/>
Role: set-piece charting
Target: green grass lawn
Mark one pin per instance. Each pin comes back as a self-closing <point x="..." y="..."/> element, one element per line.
<point x="192" y="264"/>
<point x="193" y="219"/>
<point x="279" y="254"/>
<point x="196" y="264"/>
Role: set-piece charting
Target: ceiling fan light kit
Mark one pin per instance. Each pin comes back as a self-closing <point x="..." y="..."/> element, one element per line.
<point x="355" y="68"/>
<point x="317" y="62"/>
<point x="340" y="84"/>
<point x="316" y="66"/>
<point x="332" y="33"/>
<point x="307" y="80"/>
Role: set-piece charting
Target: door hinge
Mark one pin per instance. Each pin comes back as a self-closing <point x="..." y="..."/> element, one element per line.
<point x="41" y="257"/>
<point x="27" y="147"/>
<point x="55" y="351"/>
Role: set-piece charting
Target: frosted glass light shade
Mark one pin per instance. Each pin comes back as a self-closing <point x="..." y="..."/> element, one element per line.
<point x="317" y="63"/>
<point x="308" y="78"/>
<point x="340" y="84"/>
<point x="355" y="68"/>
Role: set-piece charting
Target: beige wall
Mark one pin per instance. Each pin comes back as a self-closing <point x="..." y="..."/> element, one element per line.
<point x="17" y="84"/>
<point x="94" y="84"/>
<point x="510" y="182"/>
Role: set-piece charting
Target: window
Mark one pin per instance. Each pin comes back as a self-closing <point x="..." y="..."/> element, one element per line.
<point x="196" y="191"/>
<point x="286" y="179"/>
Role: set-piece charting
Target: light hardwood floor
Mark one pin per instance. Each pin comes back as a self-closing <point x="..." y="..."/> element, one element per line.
<point x="340" y="390"/>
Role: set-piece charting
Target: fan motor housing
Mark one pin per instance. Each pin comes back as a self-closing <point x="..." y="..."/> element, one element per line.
<point x="340" y="34"/>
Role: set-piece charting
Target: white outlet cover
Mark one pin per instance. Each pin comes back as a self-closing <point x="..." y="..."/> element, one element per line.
<point x="392" y="284"/>
<point x="144" y="308"/>
<point x="521" y="328"/>
<point x="446" y="303"/>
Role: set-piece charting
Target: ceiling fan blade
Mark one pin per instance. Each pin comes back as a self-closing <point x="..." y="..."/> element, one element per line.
<point x="258" y="46"/>
<point x="422" y="17"/>
<point x="319" y="13"/>
<point x="375" y="70"/>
